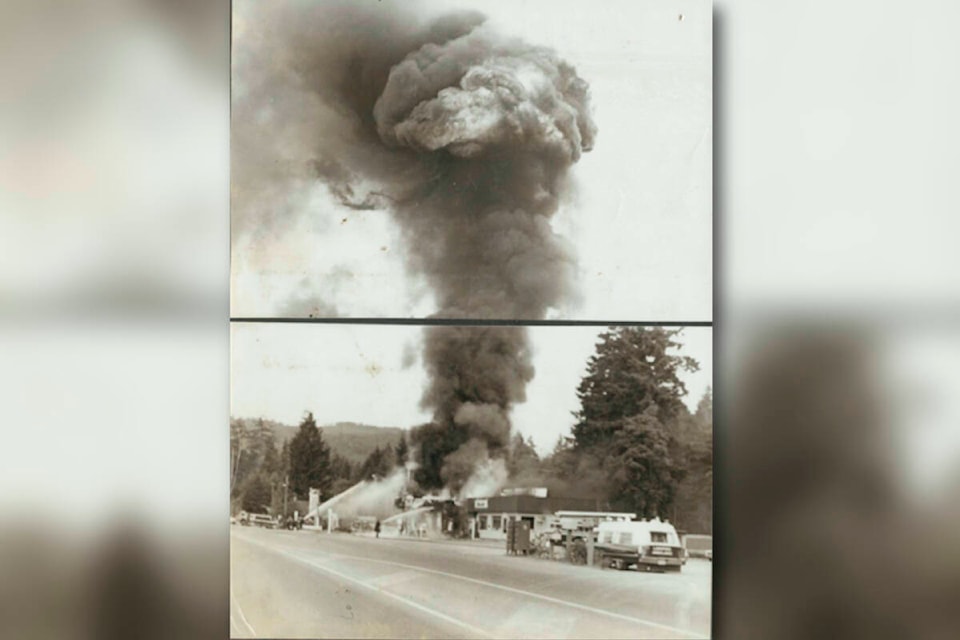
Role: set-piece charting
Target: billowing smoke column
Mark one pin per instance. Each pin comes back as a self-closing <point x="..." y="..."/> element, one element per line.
<point x="501" y="122"/>
<point x="476" y="374"/>
<point x="467" y="137"/>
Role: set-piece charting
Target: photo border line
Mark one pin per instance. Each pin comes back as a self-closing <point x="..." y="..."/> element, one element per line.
<point x="459" y="322"/>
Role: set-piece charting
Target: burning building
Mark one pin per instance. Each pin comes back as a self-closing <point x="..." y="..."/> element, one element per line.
<point x="489" y="517"/>
<point x="429" y="517"/>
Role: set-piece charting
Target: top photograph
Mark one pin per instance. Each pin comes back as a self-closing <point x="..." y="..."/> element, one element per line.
<point x="528" y="160"/>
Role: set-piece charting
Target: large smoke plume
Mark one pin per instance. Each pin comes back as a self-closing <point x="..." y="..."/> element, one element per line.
<point x="466" y="136"/>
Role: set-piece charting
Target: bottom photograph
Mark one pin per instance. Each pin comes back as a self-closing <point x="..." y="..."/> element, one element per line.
<point x="452" y="481"/>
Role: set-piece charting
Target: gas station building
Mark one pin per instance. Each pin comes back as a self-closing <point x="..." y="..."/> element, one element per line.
<point x="489" y="516"/>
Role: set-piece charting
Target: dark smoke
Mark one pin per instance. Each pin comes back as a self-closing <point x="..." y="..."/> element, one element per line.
<point x="500" y="122"/>
<point x="466" y="136"/>
<point x="476" y="374"/>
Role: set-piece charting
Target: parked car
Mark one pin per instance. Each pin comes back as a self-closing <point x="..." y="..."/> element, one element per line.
<point x="258" y="520"/>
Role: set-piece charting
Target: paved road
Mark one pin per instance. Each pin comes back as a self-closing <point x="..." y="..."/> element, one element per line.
<point x="304" y="584"/>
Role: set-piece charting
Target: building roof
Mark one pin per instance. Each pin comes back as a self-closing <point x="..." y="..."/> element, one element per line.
<point x="531" y="504"/>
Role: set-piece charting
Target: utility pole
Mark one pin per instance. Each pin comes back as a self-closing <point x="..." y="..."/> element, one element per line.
<point x="286" y="482"/>
<point x="236" y="466"/>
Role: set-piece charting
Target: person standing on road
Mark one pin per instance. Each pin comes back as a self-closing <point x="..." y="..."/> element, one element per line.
<point x="376" y="528"/>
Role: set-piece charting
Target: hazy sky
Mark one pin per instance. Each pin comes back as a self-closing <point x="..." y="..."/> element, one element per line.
<point x="373" y="374"/>
<point x="640" y="214"/>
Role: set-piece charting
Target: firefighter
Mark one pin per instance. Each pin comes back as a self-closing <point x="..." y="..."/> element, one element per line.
<point x="376" y="528"/>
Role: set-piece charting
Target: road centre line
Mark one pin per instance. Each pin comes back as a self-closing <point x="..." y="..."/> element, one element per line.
<point x="551" y="599"/>
<point x="603" y="612"/>
<point x="416" y="605"/>
<point x="376" y="589"/>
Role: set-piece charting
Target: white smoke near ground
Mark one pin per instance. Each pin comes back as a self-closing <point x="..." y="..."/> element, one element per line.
<point x="374" y="498"/>
<point x="489" y="476"/>
<point x="442" y="495"/>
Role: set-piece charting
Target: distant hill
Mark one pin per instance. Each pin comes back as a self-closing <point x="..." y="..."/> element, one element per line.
<point x="351" y="440"/>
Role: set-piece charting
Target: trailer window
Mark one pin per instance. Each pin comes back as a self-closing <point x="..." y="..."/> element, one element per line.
<point x="607" y="537"/>
<point x="626" y="537"/>
<point x="658" y="536"/>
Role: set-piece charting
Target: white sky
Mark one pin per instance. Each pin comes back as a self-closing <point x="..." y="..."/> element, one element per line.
<point x="641" y="219"/>
<point x="354" y="373"/>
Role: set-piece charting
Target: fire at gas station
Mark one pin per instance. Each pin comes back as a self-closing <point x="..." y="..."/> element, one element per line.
<point x="527" y="521"/>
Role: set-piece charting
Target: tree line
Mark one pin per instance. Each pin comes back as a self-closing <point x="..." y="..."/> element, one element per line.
<point x="261" y="474"/>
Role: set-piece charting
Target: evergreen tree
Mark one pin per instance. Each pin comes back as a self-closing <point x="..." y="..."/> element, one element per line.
<point x="631" y="409"/>
<point x="523" y="459"/>
<point x="694" y="500"/>
<point x="402" y="450"/>
<point x="562" y="459"/>
<point x="379" y="463"/>
<point x="309" y="460"/>
<point x="256" y="495"/>
<point x="645" y="474"/>
<point x="252" y="451"/>
<point x="342" y="474"/>
<point x="271" y="466"/>
<point x="631" y="372"/>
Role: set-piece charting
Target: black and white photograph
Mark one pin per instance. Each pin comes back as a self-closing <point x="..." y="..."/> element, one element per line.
<point x="471" y="319"/>
<point x="538" y="159"/>
<point x="393" y="481"/>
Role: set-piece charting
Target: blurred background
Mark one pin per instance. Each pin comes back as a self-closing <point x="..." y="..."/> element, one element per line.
<point x="838" y="319"/>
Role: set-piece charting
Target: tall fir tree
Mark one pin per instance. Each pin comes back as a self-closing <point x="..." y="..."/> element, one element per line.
<point x="632" y="371"/>
<point x="631" y="401"/>
<point x="309" y="460"/>
<point x="402" y="450"/>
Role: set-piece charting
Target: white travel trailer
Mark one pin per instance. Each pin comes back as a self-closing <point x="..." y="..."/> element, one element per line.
<point x="651" y="545"/>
